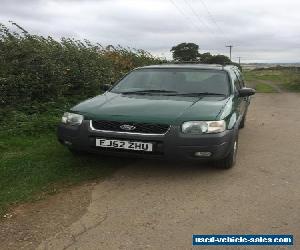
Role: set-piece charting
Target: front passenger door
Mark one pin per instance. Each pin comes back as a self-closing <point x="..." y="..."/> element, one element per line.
<point x="238" y="101"/>
<point x="243" y="100"/>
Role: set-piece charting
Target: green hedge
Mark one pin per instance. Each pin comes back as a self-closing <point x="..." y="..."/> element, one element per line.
<point x="36" y="69"/>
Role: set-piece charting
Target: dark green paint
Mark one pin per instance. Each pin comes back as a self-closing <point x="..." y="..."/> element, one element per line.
<point x="173" y="110"/>
<point x="153" y="108"/>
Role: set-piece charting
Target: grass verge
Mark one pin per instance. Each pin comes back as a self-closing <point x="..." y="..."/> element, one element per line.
<point x="288" y="78"/>
<point x="33" y="164"/>
<point x="264" y="88"/>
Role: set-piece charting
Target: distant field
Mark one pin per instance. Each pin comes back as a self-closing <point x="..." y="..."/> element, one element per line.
<point x="272" y="79"/>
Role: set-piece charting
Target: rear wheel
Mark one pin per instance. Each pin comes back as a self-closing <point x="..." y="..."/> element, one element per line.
<point x="230" y="159"/>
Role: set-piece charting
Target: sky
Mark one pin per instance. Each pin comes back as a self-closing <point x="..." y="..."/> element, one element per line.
<point x="259" y="30"/>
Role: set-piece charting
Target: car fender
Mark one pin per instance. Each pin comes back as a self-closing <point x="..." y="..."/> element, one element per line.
<point x="230" y="113"/>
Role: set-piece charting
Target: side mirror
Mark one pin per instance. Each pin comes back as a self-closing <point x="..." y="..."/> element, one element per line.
<point x="105" y="87"/>
<point x="246" y="92"/>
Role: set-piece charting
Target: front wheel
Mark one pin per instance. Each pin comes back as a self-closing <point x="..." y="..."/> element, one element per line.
<point x="242" y="123"/>
<point x="230" y="159"/>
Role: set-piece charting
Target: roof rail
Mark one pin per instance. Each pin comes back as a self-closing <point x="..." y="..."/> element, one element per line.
<point x="194" y="62"/>
<point x="183" y="62"/>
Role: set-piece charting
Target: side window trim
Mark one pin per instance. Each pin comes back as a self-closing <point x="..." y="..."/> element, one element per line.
<point x="239" y="83"/>
<point x="240" y="77"/>
<point x="235" y="80"/>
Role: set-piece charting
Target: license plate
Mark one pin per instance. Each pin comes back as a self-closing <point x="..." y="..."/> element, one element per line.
<point x="130" y="145"/>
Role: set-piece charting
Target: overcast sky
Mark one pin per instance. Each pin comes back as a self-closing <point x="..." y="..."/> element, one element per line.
<point x="260" y="30"/>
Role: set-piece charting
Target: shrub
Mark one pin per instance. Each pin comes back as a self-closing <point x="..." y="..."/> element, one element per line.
<point x="35" y="70"/>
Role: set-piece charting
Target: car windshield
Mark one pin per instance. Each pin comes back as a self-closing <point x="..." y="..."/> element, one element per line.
<point x="174" y="81"/>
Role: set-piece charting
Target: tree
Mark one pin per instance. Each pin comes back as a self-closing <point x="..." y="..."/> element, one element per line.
<point x="185" y="52"/>
<point x="205" y="57"/>
<point x="217" y="59"/>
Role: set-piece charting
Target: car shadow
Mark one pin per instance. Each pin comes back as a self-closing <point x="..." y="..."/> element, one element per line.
<point x="141" y="168"/>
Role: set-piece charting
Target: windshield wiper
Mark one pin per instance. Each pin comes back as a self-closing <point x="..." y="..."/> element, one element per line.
<point x="200" y="94"/>
<point x="145" y="91"/>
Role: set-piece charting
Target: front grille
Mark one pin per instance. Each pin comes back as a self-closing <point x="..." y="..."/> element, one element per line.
<point x="144" y="128"/>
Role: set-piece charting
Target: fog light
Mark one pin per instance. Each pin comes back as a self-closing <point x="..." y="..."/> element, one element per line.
<point x="68" y="143"/>
<point x="202" y="154"/>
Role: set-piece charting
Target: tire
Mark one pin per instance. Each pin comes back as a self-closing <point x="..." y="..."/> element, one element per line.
<point x="242" y="123"/>
<point x="230" y="160"/>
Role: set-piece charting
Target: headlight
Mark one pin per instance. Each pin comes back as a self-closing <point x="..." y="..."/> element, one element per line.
<point x="199" y="127"/>
<point x="72" y="119"/>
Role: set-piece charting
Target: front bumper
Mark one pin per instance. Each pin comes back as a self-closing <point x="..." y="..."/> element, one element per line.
<point x="172" y="146"/>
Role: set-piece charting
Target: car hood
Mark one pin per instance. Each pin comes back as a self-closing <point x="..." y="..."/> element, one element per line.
<point x="151" y="108"/>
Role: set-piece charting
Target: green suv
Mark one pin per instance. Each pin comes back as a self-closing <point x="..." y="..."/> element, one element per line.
<point x="177" y="111"/>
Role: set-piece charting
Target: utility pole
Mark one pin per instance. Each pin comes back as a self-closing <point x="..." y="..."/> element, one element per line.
<point x="239" y="60"/>
<point x="230" y="48"/>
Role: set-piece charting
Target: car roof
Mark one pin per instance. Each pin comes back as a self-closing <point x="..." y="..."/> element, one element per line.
<point x="190" y="66"/>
